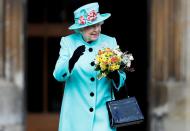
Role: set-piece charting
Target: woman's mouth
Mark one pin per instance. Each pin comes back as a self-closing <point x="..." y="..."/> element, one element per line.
<point x="95" y="35"/>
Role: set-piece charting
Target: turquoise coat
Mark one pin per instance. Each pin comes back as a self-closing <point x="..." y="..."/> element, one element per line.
<point x="84" y="100"/>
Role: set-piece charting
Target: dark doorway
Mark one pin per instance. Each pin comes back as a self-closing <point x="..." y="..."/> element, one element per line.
<point x="47" y="22"/>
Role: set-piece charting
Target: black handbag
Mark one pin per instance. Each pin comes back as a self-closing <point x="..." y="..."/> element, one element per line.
<point x="124" y="112"/>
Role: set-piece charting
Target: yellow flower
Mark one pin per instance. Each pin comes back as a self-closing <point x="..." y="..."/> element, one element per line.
<point x="114" y="67"/>
<point x="103" y="66"/>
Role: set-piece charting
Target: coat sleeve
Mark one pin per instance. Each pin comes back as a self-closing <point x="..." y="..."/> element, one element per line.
<point x="122" y="74"/>
<point x="61" y="71"/>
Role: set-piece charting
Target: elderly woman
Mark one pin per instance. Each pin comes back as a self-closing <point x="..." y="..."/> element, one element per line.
<point x="84" y="102"/>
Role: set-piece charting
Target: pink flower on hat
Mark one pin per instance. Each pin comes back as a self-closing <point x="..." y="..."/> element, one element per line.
<point x="92" y="15"/>
<point x="81" y="20"/>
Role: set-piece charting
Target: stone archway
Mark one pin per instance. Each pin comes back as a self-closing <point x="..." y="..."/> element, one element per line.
<point x="169" y="74"/>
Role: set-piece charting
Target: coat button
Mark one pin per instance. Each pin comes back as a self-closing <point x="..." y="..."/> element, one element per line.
<point x="64" y="74"/>
<point x="92" y="94"/>
<point x="90" y="49"/>
<point x="92" y="79"/>
<point x="92" y="63"/>
<point x="91" y="109"/>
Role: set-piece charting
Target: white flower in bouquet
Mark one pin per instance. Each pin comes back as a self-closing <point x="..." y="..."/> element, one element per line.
<point x="126" y="59"/>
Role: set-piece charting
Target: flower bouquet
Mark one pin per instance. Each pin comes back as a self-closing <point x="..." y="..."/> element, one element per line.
<point x="108" y="60"/>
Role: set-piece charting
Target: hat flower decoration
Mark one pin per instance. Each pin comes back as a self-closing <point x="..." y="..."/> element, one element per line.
<point x="88" y="15"/>
<point x="81" y="20"/>
<point x="91" y="17"/>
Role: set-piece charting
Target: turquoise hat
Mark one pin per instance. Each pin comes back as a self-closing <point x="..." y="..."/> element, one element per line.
<point x="88" y="15"/>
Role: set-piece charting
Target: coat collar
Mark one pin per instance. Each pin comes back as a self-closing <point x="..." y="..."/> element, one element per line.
<point x="86" y="43"/>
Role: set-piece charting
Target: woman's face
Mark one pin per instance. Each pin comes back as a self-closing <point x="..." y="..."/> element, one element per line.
<point x="91" y="33"/>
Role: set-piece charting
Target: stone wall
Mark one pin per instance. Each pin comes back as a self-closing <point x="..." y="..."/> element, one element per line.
<point x="12" y="107"/>
<point x="170" y="62"/>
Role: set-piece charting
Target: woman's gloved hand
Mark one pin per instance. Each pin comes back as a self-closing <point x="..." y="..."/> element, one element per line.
<point x="76" y="55"/>
<point x="114" y="76"/>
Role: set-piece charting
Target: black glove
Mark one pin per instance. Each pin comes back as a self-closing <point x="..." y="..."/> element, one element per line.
<point x="114" y="76"/>
<point x="76" y="55"/>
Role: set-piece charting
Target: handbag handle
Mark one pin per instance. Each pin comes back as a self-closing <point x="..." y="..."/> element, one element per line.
<point x="122" y="93"/>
